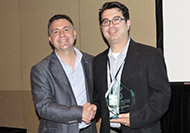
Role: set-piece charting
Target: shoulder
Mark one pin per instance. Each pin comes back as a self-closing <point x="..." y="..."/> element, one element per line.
<point x="102" y="55"/>
<point x="44" y="63"/>
<point x="87" y="57"/>
<point x="144" y="49"/>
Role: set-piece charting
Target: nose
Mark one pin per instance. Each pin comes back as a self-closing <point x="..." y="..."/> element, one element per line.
<point x="111" y="23"/>
<point x="62" y="33"/>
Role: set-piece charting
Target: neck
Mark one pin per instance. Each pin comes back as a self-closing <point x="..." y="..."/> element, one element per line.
<point x="68" y="57"/>
<point x="118" y="47"/>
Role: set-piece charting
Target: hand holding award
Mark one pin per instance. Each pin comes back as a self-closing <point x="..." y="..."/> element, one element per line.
<point x="119" y="99"/>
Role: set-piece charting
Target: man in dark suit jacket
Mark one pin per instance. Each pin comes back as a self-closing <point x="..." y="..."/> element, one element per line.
<point x="138" y="67"/>
<point x="62" y="83"/>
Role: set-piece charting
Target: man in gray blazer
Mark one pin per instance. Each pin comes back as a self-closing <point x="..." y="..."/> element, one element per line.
<point x="62" y="83"/>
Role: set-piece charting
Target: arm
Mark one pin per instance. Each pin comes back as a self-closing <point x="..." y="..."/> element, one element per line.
<point x="159" y="96"/>
<point x="47" y="105"/>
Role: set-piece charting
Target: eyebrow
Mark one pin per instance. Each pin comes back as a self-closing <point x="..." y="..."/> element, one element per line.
<point x="62" y="28"/>
<point x="112" y="18"/>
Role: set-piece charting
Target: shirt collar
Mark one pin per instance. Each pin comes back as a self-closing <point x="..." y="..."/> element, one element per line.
<point x="78" y="57"/>
<point x="124" y="52"/>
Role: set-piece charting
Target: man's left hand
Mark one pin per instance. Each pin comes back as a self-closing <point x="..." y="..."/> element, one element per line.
<point x="123" y="119"/>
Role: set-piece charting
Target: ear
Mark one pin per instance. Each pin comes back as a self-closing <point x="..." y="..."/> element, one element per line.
<point x="75" y="34"/>
<point x="49" y="38"/>
<point x="128" y="24"/>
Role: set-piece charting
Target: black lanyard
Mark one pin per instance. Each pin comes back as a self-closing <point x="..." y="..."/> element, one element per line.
<point x="115" y="77"/>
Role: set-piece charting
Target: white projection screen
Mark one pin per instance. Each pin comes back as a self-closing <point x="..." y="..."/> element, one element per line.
<point x="176" y="39"/>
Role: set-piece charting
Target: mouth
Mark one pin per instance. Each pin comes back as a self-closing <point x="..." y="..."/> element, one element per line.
<point x="63" y="42"/>
<point x="112" y="31"/>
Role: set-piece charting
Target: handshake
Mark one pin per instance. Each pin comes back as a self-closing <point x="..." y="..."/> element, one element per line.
<point x="89" y="111"/>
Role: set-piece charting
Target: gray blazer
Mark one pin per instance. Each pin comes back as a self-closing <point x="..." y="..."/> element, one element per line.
<point x="53" y="97"/>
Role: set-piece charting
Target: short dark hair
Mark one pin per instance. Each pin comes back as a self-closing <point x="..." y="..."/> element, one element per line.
<point x="115" y="4"/>
<point x="56" y="17"/>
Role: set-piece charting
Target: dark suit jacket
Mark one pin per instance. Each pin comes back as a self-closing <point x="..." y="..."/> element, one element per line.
<point x="145" y="73"/>
<point x="53" y="97"/>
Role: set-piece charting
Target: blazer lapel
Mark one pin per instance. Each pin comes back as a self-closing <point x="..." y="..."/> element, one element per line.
<point x="60" y="76"/>
<point x="130" y="60"/>
<point x="104" y="71"/>
<point x="86" y="65"/>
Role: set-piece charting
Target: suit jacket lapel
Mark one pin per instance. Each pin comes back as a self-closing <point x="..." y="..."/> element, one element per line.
<point x="104" y="71"/>
<point x="130" y="60"/>
<point x="60" y="76"/>
<point x="85" y="65"/>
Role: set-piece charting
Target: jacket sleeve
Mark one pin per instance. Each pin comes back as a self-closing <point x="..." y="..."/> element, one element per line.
<point x="158" y="101"/>
<point x="47" y="106"/>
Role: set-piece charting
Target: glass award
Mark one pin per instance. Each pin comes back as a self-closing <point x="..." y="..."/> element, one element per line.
<point x="119" y="99"/>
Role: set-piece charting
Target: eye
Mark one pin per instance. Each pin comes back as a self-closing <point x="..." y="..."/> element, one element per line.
<point x="67" y="29"/>
<point x="116" y="20"/>
<point x="105" y="22"/>
<point x="55" y="32"/>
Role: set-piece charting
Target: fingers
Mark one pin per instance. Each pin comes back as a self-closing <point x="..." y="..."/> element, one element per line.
<point x="123" y="119"/>
<point x="124" y="115"/>
<point x="94" y="108"/>
<point x="89" y="111"/>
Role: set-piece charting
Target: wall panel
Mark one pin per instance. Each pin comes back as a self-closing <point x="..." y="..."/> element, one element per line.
<point x="11" y="112"/>
<point x="10" y="72"/>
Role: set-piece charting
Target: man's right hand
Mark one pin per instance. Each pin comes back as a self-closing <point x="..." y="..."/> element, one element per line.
<point x="89" y="111"/>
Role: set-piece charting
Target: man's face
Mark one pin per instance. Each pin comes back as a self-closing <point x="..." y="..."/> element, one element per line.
<point x="117" y="33"/>
<point x="62" y="35"/>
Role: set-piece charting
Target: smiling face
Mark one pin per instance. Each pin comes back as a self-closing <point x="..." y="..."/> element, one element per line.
<point x="118" y="33"/>
<point x="62" y="35"/>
